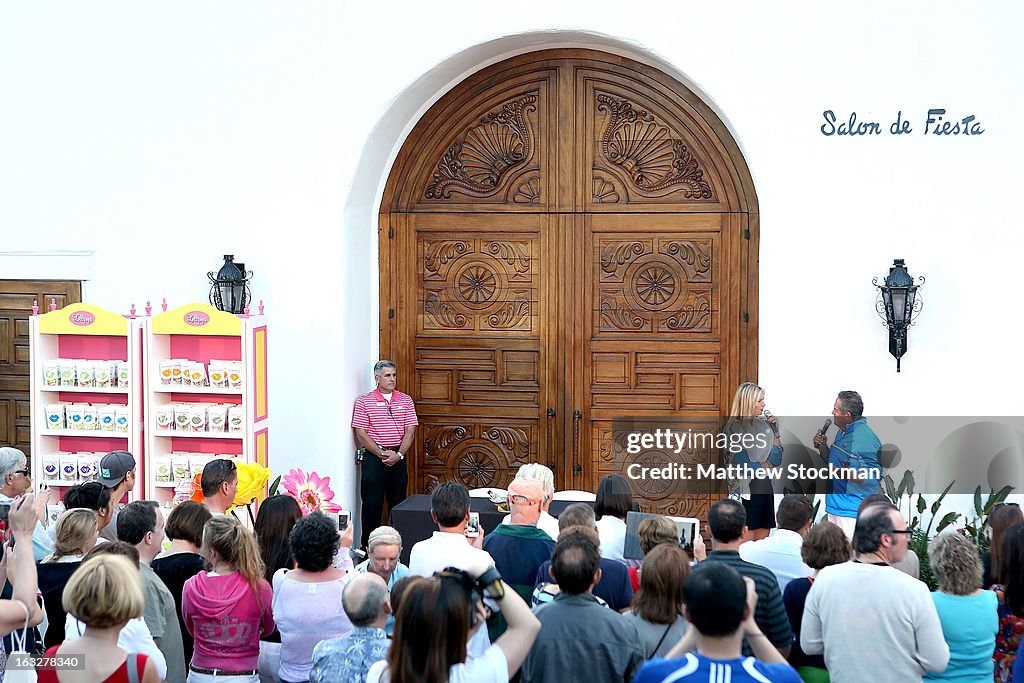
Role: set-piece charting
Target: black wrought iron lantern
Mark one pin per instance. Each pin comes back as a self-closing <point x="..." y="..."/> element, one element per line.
<point x="229" y="286"/>
<point x="898" y="304"/>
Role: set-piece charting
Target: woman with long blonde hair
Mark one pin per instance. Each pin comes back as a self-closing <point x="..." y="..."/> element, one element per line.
<point x="748" y="417"/>
<point x="76" y="532"/>
<point x="227" y="609"/>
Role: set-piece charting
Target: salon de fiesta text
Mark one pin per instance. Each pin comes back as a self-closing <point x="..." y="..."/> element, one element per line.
<point x="937" y="122"/>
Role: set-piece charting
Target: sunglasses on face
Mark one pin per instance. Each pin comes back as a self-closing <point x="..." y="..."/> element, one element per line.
<point x="519" y="499"/>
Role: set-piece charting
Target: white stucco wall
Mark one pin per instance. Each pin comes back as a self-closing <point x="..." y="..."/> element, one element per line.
<point x="159" y="138"/>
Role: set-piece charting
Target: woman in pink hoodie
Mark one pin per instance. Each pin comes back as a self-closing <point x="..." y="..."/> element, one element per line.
<point x="226" y="610"/>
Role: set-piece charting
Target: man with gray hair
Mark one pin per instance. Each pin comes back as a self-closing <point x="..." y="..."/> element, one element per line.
<point x="384" y="548"/>
<point x="348" y="659"/>
<point x="384" y="422"/>
<point x="546" y="523"/>
<point x="899" y="619"/>
<point x="15" y="480"/>
<point x="855" y="447"/>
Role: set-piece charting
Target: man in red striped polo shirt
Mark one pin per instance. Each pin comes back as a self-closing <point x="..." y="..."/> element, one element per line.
<point x="385" y="422"/>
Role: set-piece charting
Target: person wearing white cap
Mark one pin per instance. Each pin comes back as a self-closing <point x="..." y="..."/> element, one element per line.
<point x="15" y="480"/>
<point x="117" y="473"/>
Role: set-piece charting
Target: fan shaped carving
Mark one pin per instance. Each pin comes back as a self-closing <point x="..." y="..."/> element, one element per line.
<point x="646" y="152"/>
<point x="501" y="142"/>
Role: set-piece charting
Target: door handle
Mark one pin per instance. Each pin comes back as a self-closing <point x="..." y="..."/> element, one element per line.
<point x="549" y="427"/>
<point x="576" y="468"/>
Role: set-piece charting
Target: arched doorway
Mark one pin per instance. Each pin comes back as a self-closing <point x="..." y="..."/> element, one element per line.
<point x="567" y="238"/>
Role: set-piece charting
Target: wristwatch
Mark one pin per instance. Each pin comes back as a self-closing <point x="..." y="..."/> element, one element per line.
<point x="400" y="456"/>
<point x="490" y="584"/>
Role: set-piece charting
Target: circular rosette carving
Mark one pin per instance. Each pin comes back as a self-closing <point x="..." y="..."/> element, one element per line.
<point x="477" y="468"/>
<point x="476" y="284"/>
<point x="652" y="284"/>
<point x="653" y="489"/>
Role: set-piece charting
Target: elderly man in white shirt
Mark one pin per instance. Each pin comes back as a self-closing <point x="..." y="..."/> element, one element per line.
<point x="15" y="480"/>
<point x="780" y="552"/>
<point x="547" y="523"/>
<point x="450" y="547"/>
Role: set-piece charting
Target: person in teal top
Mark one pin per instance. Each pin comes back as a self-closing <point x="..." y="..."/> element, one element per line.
<point x="855" y="446"/>
<point x="967" y="613"/>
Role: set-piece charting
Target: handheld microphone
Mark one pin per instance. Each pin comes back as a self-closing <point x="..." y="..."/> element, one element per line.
<point x="824" y="429"/>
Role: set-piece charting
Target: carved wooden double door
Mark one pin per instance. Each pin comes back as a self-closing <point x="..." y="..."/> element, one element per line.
<point x="568" y="239"/>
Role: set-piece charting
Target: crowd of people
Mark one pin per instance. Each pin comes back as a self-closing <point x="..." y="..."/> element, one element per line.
<point x="199" y="597"/>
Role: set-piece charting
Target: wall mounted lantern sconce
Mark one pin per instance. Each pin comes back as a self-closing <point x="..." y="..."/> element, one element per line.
<point x="898" y="305"/>
<point x="229" y="286"/>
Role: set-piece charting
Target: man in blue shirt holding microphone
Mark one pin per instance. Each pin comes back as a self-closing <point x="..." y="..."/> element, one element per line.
<point x="855" y="446"/>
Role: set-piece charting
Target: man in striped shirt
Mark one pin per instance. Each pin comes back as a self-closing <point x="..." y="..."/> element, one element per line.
<point x="727" y="520"/>
<point x="385" y="422"/>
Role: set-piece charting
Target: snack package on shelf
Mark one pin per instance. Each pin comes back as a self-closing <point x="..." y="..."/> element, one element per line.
<point x="218" y="374"/>
<point x="83" y="369"/>
<point x="101" y="372"/>
<point x="235" y="376"/>
<point x="197" y="461"/>
<point x="51" y="373"/>
<point x="67" y="372"/>
<point x="197" y="418"/>
<point x="51" y="466"/>
<point x="199" y="375"/>
<point x="217" y="417"/>
<point x="182" y="416"/>
<point x="53" y="511"/>
<point x="236" y="419"/>
<point x="55" y="416"/>
<point x="164" y="418"/>
<point x="88" y="465"/>
<point x="105" y="417"/>
<point x="180" y="467"/>
<point x="123" y="374"/>
<point x="89" y="417"/>
<point x="68" y="467"/>
<point x="176" y="364"/>
<point x="121" y="417"/>
<point x="166" y="373"/>
<point x="73" y="416"/>
<point x="164" y="474"/>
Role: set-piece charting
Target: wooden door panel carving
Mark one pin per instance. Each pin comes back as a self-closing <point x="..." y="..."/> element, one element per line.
<point x="488" y="148"/>
<point x="457" y="377"/>
<point x="490" y="155"/>
<point x="481" y="285"/>
<point x="477" y="343"/>
<point x="654" y="381"/>
<point x="666" y="496"/>
<point x="568" y="241"/>
<point x="658" y="287"/>
<point x="477" y="453"/>
<point x="16" y="297"/>
<point x="653" y="337"/>
<point x="643" y="152"/>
